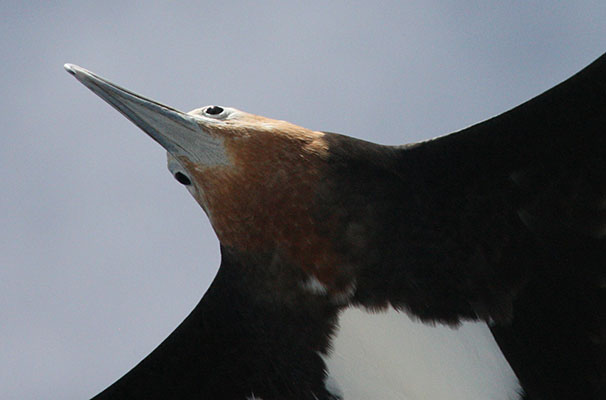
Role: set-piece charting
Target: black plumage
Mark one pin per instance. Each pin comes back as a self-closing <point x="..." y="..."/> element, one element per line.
<point x="504" y="221"/>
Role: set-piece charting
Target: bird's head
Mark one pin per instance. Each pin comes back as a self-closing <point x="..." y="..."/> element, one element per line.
<point x="256" y="178"/>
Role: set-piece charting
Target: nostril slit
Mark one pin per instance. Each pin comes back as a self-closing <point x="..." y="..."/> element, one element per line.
<point x="182" y="179"/>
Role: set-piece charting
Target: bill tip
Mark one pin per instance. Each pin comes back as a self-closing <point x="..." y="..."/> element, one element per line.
<point x="71" y="68"/>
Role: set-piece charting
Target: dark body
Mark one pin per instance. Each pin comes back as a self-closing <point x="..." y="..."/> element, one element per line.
<point x="504" y="221"/>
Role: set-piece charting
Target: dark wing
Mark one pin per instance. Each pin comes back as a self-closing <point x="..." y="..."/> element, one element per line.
<point x="513" y="211"/>
<point x="232" y="346"/>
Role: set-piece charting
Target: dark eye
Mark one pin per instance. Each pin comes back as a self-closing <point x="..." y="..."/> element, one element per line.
<point x="182" y="179"/>
<point x="214" y="110"/>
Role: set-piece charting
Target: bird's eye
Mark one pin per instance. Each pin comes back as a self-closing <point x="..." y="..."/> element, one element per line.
<point x="214" y="110"/>
<point x="182" y="179"/>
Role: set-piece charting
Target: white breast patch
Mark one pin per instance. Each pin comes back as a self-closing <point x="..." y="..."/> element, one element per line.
<point x="388" y="356"/>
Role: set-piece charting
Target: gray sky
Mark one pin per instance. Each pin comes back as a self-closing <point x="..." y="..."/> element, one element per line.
<point x="102" y="253"/>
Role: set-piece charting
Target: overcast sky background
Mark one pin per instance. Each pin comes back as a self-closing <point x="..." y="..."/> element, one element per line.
<point x="102" y="252"/>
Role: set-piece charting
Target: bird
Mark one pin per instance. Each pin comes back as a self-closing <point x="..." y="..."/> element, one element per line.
<point x="468" y="266"/>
